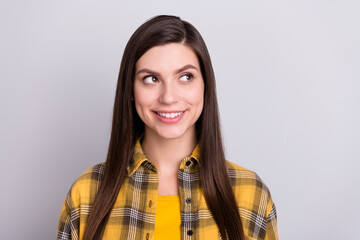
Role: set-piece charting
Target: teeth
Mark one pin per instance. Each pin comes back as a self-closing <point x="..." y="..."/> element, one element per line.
<point x="169" y="115"/>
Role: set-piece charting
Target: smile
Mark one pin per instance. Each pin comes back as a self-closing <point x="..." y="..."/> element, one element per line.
<point x="169" y="115"/>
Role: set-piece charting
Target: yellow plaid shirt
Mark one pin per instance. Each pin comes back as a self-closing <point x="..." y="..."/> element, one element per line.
<point x="133" y="215"/>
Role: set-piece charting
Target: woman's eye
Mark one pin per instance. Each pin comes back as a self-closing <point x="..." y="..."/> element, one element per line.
<point x="186" y="77"/>
<point x="150" y="79"/>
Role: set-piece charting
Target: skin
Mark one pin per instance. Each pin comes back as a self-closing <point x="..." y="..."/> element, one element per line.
<point x="168" y="79"/>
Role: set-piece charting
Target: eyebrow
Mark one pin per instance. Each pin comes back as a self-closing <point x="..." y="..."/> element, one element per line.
<point x="186" y="67"/>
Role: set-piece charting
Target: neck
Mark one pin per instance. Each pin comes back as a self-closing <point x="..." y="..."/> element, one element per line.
<point x="168" y="153"/>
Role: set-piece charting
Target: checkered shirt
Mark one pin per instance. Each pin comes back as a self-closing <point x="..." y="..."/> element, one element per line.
<point x="133" y="214"/>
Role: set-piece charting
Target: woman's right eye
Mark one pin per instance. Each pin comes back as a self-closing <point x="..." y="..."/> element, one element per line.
<point x="150" y="79"/>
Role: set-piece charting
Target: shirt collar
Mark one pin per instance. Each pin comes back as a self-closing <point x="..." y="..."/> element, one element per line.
<point x="139" y="158"/>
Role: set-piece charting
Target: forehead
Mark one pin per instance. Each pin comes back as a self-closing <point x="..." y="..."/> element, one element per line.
<point x="168" y="56"/>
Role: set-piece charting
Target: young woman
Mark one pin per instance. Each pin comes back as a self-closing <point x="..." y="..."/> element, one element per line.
<point x="166" y="176"/>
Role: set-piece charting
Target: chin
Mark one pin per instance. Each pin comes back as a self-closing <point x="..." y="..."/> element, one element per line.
<point x="171" y="133"/>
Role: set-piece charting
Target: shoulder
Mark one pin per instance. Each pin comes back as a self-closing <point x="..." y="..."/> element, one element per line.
<point x="94" y="172"/>
<point x="256" y="207"/>
<point x="250" y="190"/>
<point x="237" y="172"/>
<point x="86" y="185"/>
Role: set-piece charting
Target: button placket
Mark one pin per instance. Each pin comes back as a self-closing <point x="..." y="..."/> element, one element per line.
<point x="188" y="200"/>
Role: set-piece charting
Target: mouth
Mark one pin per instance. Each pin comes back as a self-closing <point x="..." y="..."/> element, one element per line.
<point x="170" y="114"/>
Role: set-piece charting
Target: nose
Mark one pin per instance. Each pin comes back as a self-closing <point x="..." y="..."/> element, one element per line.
<point x="169" y="93"/>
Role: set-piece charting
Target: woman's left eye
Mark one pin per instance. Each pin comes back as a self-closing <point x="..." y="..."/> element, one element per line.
<point x="186" y="77"/>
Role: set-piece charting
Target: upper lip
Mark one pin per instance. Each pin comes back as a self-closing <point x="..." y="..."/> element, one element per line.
<point x="170" y="111"/>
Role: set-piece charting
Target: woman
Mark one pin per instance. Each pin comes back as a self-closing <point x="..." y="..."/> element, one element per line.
<point x="166" y="176"/>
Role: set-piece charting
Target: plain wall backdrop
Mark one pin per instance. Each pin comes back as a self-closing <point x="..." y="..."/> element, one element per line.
<point x="288" y="79"/>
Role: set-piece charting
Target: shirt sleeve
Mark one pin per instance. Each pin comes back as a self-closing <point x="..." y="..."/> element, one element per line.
<point x="271" y="225"/>
<point x="69" y="221"/>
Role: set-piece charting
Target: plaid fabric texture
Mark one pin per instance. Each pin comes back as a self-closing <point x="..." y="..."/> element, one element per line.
<point x="133" y="215"/>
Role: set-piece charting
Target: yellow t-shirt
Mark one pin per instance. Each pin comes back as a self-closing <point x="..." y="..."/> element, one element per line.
<point x="167" y="218"/>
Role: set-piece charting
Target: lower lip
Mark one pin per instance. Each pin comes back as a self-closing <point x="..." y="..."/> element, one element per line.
<point x="169" y="120"/>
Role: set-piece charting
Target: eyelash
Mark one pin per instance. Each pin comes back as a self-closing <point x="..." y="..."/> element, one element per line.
<point x="190" y="76"/>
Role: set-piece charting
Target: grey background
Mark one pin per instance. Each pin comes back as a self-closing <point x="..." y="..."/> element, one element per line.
<point x="288" y="86"/>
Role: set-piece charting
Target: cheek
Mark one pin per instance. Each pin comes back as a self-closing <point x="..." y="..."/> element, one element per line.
<point x="201" y="99"/>
<point x="139" y="99"/>
<point x="196" y="97"/>
<point x="140" y="104"/>
<point x="144" y="99"/>
<point x="200" y="94"/>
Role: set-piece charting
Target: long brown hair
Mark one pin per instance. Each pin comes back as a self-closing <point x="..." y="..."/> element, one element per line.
<point x="127" y="128"/>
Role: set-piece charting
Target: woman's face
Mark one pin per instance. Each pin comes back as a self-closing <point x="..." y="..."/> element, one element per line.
<point x="169" y="91"/>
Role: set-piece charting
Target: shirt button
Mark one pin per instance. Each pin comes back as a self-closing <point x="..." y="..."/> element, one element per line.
<point x="147" y="236"/>
<point x="188" y="200"/>
<point x="150" y="203"/>
<point x="190" y="232"/>
<point x="188" y="163"/>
